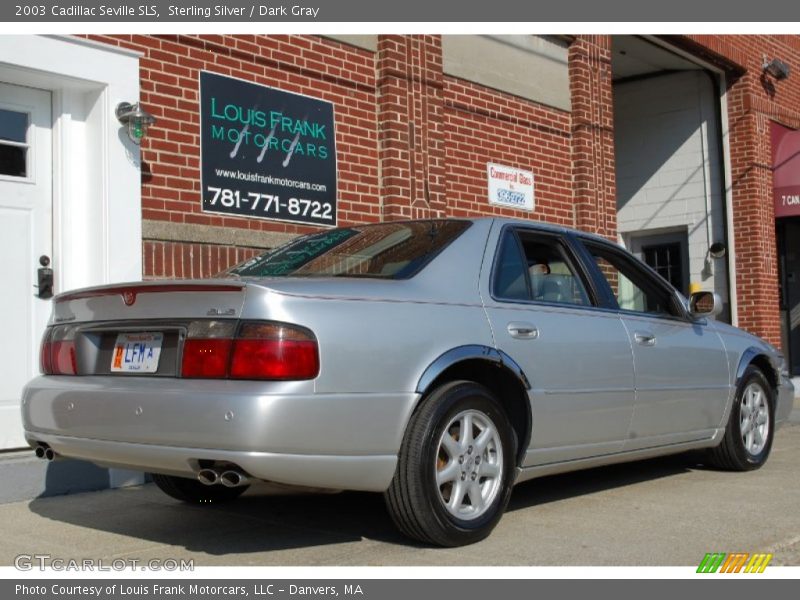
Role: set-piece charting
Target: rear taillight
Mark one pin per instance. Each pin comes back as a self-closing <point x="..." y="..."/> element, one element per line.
<point x="274" y="351"/>
<point x="206" y="358"/>
<point x="63" y="357"/>
<point x="57" y="355"/>
<point x="45" y="353"/>
<point x="207" y="349"/>
<point x="257" y="351"/>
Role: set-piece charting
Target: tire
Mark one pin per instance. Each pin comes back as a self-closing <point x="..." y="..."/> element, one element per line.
<point x="434" y="447"/>
<point x="748" y="435"/>
<point x="192" y="491"/>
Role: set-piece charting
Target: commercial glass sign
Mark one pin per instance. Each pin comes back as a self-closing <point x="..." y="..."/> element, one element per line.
<point x="510" y="187"/>
<point x="266" y="153"/>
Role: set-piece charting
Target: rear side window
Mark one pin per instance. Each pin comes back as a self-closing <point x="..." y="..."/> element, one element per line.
<point x="536" y="267"/>
<point x="510" y="277"/>
<point x="385" y="251"/>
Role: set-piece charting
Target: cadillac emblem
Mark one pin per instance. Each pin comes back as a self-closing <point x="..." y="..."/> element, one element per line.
<point x="129" y="297"/>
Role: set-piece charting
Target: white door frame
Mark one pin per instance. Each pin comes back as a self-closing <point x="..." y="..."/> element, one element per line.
<point x="97" y="207"/>
<point x="96" y="168"/>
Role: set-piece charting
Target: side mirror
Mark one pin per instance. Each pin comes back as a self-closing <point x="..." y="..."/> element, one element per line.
<point x="705" y="304"/>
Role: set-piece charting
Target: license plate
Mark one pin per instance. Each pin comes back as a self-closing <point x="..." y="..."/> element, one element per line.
<point x="136" y="352"/>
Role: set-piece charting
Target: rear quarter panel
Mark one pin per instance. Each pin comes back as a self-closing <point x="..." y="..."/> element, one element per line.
<point x="369" y="346"/>
<point x="380" y="335"/>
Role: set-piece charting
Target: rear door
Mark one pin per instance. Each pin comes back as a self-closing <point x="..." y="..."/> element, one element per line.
<point x="682" y="380"/>
<point x="577" y="356"/>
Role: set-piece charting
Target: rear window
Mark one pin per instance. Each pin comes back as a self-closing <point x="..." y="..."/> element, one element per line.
<point x="386" y="251"/>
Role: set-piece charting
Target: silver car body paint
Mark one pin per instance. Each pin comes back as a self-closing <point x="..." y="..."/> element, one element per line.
<point x="381" y="343"/>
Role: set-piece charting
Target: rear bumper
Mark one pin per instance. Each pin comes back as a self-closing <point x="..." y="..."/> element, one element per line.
<point x="785" y="399"/>
<point x="282" y="432"/>
<point x="367" y="473"/>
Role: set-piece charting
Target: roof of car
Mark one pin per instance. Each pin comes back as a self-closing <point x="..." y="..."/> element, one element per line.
<point x="544" y="226"/>
<point x="510" y="221"/>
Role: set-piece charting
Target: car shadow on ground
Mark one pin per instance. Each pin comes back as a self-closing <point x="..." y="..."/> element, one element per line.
<point x="578" y="483"/>
<point x="263" y="521"/>
<point x="258" y="521"/>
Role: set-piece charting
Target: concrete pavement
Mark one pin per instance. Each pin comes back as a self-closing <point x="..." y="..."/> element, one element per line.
<point x="658" y="512"/>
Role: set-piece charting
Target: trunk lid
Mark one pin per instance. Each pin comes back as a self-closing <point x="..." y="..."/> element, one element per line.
<point x="200" y="299"/>
<point x="135" y="329"/>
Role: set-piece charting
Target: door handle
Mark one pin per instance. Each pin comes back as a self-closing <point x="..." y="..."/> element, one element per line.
<point x="44" y="278"/>
<point x="644" y="338"/>
<point x="522" y="331"/>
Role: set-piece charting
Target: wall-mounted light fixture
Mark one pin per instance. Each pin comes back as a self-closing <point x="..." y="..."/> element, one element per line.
<point x="776" y="67"/>
<point x="135" y="119"/>
<point x="717" y="250"/>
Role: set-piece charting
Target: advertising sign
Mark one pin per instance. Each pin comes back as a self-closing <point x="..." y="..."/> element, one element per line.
<point x="510" y="187"/>
<point x="785" y="170"/>
<point x="266" y="153"/>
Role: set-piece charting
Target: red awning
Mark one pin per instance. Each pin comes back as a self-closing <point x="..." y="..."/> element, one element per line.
<point x="785" y="170"/>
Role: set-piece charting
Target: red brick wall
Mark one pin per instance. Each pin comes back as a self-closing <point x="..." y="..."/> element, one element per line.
<point x="593" y="167"/>
<point x="483" y="125"/>
<point x="310" y="65"/>
<point x="413" y="142"/>
<point x="437" y="134"/>
<point x="428" y="136"/>
<point x="178" y="260"/>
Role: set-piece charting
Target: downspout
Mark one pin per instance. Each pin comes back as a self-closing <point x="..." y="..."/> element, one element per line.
<point x="727" y="194"/>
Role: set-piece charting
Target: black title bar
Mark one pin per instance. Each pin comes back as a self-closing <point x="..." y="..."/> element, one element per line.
<point x="466" y="11"/>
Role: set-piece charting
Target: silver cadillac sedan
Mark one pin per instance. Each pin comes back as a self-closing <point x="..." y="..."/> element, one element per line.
<point x="438" y="362"/>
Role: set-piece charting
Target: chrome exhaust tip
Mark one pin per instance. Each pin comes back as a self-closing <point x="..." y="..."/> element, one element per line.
<point x="208" y="477"/>
<point x="50" y="454"/>
<point x="233" y="479"/>
<point x="39" y="451"/>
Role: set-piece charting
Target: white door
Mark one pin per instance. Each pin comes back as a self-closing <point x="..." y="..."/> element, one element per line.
<point x="25" y="235"/>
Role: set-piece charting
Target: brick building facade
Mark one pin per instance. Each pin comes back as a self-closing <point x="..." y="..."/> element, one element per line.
<point x="662" y="143"/>
<point x="413" y="141"/>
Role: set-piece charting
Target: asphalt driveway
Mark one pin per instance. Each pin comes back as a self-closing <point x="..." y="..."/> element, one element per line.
<point x="658" y="512"/>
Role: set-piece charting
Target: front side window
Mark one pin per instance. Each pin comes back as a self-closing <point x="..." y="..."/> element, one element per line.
<point x="385" y="251"/>
<point x="535" y="267"/>
<point x="634" y="289"/>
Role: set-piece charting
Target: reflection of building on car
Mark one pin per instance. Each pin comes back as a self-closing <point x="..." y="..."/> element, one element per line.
<point x="439" y="362"/>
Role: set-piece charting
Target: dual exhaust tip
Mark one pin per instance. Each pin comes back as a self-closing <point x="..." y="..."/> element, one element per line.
<point x="229" y="478"/>
<point x="45" y="452"/>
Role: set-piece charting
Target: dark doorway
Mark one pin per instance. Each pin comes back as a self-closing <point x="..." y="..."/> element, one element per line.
<point x="788" y="238"/>
<point x="667" y="254"/>
<point x="667" y="261"/>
